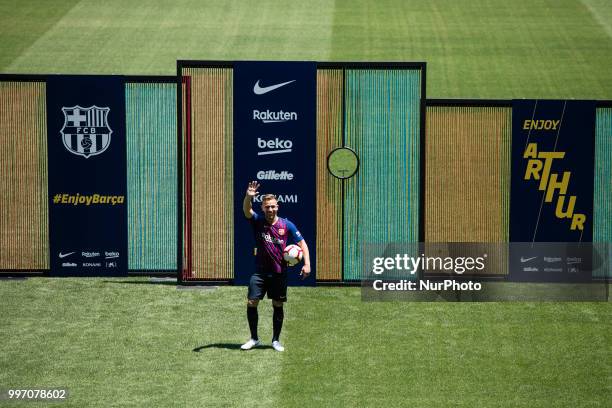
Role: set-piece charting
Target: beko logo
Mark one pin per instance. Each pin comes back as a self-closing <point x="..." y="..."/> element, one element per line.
<point x="269" y="116"/>
<point x="274" y="146"/>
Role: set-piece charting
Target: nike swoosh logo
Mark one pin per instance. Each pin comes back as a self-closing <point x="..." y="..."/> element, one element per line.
<point x="274" y="152"/>
<point x="258" y="90"/>
<point x="527" y="259"/>
<point x="65" y="255"/>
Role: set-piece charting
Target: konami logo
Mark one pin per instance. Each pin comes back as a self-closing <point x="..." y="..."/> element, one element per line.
<point x="282" y="198"/>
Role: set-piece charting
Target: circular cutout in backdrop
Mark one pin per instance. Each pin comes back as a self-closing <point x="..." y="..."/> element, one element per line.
<point x="343" y="162"/>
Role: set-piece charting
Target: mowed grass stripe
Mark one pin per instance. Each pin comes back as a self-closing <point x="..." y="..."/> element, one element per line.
<point x="344" y="353"/>
<point x="125" y="342"/>
<point x="484" y="49"/>
<point x="138" y="38"/>
<point x="129" y="343"/>
<point x="602" y="12"/>
<point x="23" y="23"/>
<point x="481" y="49"/>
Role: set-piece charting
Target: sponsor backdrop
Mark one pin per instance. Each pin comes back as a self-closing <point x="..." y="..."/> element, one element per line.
<point x="87" y="175"/>
<point x="553" y="149"/>
<point x="275" y="144"/>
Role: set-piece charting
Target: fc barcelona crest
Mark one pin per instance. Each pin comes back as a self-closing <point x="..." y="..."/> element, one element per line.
<point x="86" y="132"/>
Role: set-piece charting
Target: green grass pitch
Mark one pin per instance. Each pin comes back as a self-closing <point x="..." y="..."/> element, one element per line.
<point x="474" y="48"/>
<point x="126" y="342"/>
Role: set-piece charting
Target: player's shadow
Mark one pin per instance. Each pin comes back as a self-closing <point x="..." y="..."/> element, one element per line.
<point x="227" y="346"/>
<point x="142" y="282"/>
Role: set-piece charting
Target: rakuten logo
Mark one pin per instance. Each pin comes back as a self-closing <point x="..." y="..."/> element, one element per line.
<point x="268" y="116"/>
<point x="274" y="146"/>
<point x="273" y="175"/>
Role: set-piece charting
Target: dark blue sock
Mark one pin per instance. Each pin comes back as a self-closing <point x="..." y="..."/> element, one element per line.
<point x="277" y="322"/>
<point x="253" y="317"/>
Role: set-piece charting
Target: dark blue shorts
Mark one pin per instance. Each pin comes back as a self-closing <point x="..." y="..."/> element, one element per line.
<point x="274" y="284"/>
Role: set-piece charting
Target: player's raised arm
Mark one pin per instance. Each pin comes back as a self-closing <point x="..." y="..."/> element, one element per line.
<point x="251" y="192"/>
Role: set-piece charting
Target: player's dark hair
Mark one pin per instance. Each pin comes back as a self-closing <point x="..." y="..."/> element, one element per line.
<point x="266" y="197"/>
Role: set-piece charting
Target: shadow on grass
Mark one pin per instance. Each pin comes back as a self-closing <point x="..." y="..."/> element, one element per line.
<point x="227" y="346"/>
<point x="142" y="282"/>
<point x="163" y="282"/>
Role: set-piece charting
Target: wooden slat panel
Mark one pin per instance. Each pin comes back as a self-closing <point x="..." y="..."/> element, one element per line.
<point x="467" y="186"/>
<point x="329" y="188"/>
<point x="24" y="218"/>
<point x="212" y="225"/>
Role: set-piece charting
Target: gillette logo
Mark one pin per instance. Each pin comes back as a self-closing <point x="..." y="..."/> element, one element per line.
<point x="274" y="175"/>
<point x="268" y="116"/>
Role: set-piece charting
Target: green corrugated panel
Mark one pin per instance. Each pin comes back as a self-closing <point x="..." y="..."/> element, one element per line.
<point x="602" y="203"/>
<point x="152" y="176"/>
<point x="383" y="126"/>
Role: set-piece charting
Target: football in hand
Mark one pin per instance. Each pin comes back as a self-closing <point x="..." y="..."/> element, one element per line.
<point x="292" y="254"/>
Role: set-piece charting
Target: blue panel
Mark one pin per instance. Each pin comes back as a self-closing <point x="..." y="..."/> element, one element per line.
<point x="275" y="143"/>
<point x="87" y="182"/>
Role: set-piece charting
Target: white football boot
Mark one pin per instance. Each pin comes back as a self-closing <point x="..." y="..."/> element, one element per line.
<point x="277" y="346"/>
<point x="250" y="344"/>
